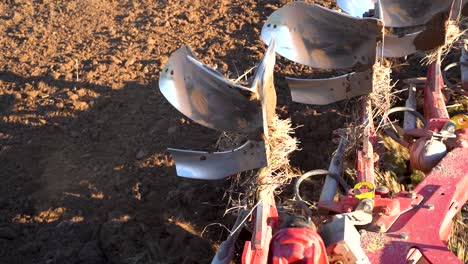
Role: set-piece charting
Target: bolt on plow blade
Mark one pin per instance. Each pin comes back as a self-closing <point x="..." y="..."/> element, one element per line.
<point x="208" y="98"/>
<point x="327" y="91"/>
<point x="219" y="165"/>
<point x="321" y="38"/>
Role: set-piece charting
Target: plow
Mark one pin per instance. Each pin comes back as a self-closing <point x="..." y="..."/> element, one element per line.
<point x="353" y="221"/>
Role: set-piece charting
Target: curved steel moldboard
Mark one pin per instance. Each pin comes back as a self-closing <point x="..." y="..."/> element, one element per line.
<point x="263" y="84"/>
<point x="206" y="97"/>
<point x="318" y="37"/>
<point x="398" y="46"/>
<point x="356" y="7"/>
<point x="219" y="165"/>
<point x="398" y="13"/>
<point x="410" y="13"/>
<point x="327" y="91"/>
<point x="431" y="37"/>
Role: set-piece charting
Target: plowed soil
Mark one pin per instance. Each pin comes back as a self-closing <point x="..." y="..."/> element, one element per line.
<point x="84" y="173"/>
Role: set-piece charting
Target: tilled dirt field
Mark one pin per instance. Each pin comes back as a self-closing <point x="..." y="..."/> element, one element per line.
<point x="84" y="172"/>
<point x="84" y="175"/>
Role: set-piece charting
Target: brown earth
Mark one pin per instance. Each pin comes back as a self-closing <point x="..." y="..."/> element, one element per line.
<point x="84" y="175"/>
<point x="84" y="172"/>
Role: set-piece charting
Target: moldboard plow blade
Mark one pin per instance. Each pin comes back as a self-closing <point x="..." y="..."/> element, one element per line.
<point x="219" y="165"/>
<point x="321" y="38"/>
<point x="404" y="13"/>
<point x="399" y="46"/>
<point x="423" y="22"/>
<point x="327" y="91"/>
<point x="207" y="97"/>
<point x="398" y="13"/>
<point x="210" y="99"/>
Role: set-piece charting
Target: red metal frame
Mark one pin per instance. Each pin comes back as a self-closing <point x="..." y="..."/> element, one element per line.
<point x="266" y="221"/>
<point x="417" y="224"/>
<point x="435" y="109"/>
<point x="424" y="230"/>
<point x="427" y="226"/>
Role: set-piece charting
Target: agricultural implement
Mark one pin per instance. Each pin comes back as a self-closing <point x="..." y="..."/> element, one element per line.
<point x="365" y="223"/>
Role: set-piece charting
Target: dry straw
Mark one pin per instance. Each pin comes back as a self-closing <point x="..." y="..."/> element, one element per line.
<point x="453" y="34"/>
<point x="458" y="241"/>
<point x="245" y="187"/>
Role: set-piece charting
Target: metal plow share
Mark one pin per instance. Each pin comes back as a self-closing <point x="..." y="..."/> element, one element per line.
<point x="362" y="223"/>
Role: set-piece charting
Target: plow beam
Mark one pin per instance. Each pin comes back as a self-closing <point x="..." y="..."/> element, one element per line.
<point x="426" y="228"/>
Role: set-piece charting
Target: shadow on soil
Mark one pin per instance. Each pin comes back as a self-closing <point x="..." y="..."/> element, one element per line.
<point x="97" y="184"/>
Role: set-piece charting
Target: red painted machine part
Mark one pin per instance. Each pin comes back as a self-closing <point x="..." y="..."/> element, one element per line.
<point x="266" y="220"/>
<point x="365" y="162"/>
<point x="427" y="226"/>
<point x="435" y="109"/>
<point x="298" y="246"/>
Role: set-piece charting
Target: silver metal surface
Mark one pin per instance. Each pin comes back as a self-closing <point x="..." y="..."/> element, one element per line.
<point x="426" y="154"/>
<point x="343" y="241"/>
<point x="226" y="250"/>
<point x="409" y="121"/>
<point x="457" y="9"/>
<point x="219" y="165"/>
<point x="398" y="46"/>
<point x="321" y="38"/>
<point x="362" y="215"/>
<point x="410" y="13"/>
<point x="263" y="85"/>
<point x="327" y="91"/>
<point x="464" y="65"/>
<point x="336" y="167"/>
<point x="206" y="97"/>
<point x="356" y="7"/>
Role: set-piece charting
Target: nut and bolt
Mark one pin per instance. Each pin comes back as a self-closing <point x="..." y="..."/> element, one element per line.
<point x="412" y="195"/>
<point x="368" y="208"/>
<point x="367" y="205"/>
<point x="404" y="236"/>
<point x="382" y="190"/>
<point x="430" y="206"/>
<point x="362" y="232"/>
<point x="381" y="228"/>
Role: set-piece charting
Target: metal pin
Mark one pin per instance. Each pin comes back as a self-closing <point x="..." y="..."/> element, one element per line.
<point x="404" y="236"/>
